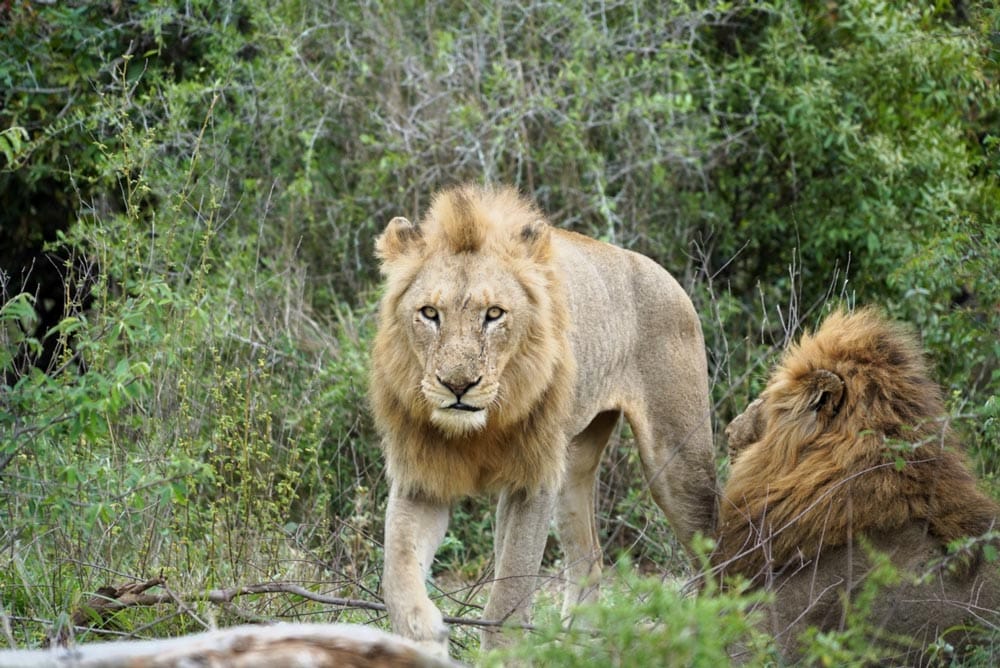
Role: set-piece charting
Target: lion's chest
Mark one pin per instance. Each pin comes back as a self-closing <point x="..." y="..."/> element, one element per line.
<point x="450" y="469"/>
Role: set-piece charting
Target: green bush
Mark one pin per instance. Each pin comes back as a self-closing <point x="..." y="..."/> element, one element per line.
<point x="645" y="621"/>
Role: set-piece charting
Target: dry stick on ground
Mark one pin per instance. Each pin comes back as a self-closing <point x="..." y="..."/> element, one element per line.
<point x="306" y="645"/>
<point x="109" y="600"/>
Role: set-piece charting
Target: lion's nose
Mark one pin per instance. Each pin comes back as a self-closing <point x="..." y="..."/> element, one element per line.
<point x="458" y="388"/>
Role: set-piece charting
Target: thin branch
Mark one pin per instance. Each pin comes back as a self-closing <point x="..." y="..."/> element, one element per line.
<point x="109" y="600"/>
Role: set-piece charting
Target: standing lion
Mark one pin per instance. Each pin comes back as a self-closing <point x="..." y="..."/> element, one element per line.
<point x="505" y="354"/>
<point x="848" y="445"/>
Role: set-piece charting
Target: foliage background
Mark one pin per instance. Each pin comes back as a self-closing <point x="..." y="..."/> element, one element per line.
<point x="190" y="191"/>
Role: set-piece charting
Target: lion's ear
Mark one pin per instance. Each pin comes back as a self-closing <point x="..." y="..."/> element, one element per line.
<point x="826" y="392"/>
<point x="399" y="236"/>
<point x="536" y="237"/>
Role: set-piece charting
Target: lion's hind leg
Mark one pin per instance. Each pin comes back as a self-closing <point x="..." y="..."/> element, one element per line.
<point x="677" y="460"/>
<point x="575" y="512"/>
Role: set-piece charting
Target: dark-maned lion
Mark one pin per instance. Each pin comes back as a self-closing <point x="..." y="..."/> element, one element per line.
<point x="850" y="439"/>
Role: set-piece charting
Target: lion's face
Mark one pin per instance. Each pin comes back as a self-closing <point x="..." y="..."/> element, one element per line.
<point x="472" y="370"/>
<point x="798" y="405"/>
<point x="746" y="428"/>
<point x="466" y="318"/>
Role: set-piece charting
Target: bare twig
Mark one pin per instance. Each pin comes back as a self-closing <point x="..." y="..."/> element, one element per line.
<point x="109" y="600"/>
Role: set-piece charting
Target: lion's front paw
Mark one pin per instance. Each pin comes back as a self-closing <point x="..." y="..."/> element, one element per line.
<point x="423" y="623"/>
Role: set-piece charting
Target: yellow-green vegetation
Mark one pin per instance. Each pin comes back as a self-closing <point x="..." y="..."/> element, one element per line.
<point x="189" y="191"/>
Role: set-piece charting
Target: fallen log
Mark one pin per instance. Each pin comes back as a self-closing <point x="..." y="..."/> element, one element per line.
<point x="302" y="645"/>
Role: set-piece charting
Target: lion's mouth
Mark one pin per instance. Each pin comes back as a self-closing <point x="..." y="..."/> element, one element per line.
<point x="459" y="406"/>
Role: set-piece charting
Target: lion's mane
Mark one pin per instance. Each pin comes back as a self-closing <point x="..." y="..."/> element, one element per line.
<point x="852" y="437"/>
<point x="515" y="450"/>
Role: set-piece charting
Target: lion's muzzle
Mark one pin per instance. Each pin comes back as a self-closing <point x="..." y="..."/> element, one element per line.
<point x="460" y="404"/>
<point x="459" y="388"/>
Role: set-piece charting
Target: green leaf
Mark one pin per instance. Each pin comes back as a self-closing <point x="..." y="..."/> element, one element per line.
<point x="12" y="142"/>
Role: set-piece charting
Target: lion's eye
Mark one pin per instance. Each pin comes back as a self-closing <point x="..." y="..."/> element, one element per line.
<point x="494" y="313"/>
<point x="429" y="312"/>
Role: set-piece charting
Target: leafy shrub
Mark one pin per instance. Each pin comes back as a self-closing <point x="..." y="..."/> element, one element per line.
<point x="645" y="620"/>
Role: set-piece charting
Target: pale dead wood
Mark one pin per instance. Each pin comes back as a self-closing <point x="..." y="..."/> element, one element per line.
<point x="302" y="645"/>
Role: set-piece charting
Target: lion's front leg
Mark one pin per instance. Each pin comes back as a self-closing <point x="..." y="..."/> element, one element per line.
<point x="414" y="528"/>
<point x="522" y="528"/>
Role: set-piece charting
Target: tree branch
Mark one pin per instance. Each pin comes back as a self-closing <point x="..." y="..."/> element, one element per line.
<point x="109" y="600"/>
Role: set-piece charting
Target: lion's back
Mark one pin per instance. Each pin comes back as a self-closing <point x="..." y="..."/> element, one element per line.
<point x="630" y="318"/>
<point x="606" y="282"/>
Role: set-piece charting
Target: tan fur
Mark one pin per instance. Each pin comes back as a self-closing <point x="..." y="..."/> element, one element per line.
<point x="505" y="353"/>
<point x="855" y="438"/>
<point x="515" y="449"/>
<point x="745" y="428"/>
<point x="850" y="438"/>
<point x="929" y="603"/>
